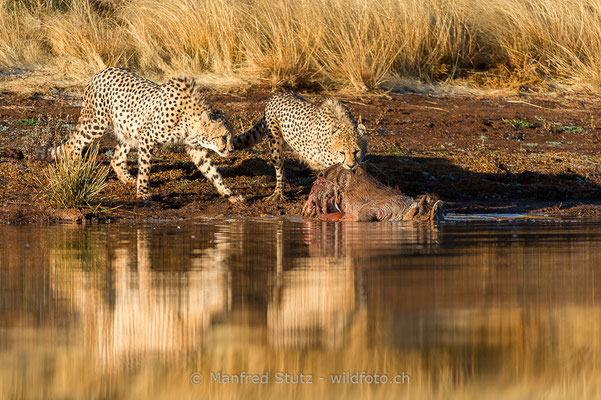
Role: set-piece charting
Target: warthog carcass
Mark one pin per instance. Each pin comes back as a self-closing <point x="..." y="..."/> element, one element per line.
<point x="342" y="194"/>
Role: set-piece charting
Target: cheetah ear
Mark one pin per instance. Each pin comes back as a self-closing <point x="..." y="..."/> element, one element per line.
<point x="205" y="117"/>
<point x="362" y="129"/>
<point x="175" y="85"/>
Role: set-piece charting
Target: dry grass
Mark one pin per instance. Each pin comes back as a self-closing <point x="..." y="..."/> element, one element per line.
<point x="359" y="44"/>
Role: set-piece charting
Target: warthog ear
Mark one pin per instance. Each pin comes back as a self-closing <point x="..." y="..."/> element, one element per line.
<point x="345" y="178"/>
<point x="437" y="211"/>
<point x="412" y="212"/>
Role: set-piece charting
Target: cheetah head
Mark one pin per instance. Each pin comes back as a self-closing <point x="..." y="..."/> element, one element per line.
<point x="202" y="126"/>
<point x="348" y="145"/>
<point x="211" y="130"/>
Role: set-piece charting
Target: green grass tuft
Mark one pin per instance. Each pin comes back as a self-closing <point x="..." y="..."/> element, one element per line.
<point x="27" y="121"/>
<point x="519" y="123"/>
<point x="574" y="129"/>
<point x="73" y="182"/>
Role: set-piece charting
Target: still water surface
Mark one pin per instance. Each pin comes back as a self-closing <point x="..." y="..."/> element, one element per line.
<point x="460" y="310"/>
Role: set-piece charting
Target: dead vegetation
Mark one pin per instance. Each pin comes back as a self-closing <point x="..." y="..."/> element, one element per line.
<point x="358" y="44"/>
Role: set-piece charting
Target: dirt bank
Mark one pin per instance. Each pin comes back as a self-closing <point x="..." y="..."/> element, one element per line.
<point x="479" y="154"/>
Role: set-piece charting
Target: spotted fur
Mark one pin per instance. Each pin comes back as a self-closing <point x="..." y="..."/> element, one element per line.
<point x="321" y="136"/>
<point x="145" y="114"/>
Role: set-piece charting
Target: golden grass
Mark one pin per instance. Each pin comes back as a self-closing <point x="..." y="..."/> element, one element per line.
<point x="359" y="44"/>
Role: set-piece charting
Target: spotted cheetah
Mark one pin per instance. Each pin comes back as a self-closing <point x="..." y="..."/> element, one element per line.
<point x="145" y="114"/>
<point x="321" y="136"/>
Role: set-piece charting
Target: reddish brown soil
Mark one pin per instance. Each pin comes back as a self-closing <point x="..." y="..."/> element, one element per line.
<point x="456" y="146"/>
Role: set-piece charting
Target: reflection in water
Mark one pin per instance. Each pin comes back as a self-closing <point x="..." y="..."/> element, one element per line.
<point x="463" y="310"/>
<point x="168" y="316"/>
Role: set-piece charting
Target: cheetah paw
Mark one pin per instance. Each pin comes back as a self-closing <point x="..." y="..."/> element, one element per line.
<point x="143" y="196"/>
<point x="237" y="199"/>
<point x="276" y="197"/>
<point x="127" y="180"/>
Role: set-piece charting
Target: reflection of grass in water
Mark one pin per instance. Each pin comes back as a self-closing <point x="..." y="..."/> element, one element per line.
<point x="78" y="248"/>
<point x="530" y="351"/>
<point x="496" y="354"/>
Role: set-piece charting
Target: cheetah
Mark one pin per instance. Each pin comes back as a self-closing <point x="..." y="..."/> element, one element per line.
<point x="321" y="136"/>
<point x="145" y="114"/>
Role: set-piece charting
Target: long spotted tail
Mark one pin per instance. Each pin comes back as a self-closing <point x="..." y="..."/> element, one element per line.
<point x="251" y="137"/>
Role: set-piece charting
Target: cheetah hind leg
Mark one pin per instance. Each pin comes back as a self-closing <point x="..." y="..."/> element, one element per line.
<point x="276" y="145"/>
<point x="119" y="164"/>
<point x="91" y="125"/>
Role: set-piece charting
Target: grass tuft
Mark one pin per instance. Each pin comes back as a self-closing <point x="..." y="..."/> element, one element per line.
<point x="27" y="121"/>
<point x="574" y="129"/>
<point x="519" y="123"/>
<point x="73" y="182"/>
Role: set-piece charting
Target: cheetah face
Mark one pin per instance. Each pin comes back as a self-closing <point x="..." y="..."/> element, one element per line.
<point x="211" y="130"/>
<point x="349" y="146"/>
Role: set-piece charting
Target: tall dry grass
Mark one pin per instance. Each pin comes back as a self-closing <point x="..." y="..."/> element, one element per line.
<point x="361" y="44"/>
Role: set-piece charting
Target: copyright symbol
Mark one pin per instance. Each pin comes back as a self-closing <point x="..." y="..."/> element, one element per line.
<point x="196" y="378"/>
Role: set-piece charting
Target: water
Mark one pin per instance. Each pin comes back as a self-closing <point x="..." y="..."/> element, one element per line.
<point x="473" y="309"/>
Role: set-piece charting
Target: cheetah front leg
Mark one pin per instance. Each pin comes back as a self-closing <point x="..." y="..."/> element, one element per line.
<point x="119" y="164"/>
<point x="203" y="162"/>
<point x="144" y="156"/>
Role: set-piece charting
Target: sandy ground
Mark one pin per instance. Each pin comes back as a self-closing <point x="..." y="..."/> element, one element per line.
<point x="499" y="154"/>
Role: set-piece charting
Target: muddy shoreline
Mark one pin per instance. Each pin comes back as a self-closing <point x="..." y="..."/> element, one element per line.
<point x="480" y="154"/>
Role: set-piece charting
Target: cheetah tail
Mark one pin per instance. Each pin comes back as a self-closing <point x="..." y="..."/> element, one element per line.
<point x="251" y="137"/>
<point x="46" y="153"/>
